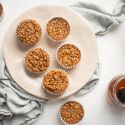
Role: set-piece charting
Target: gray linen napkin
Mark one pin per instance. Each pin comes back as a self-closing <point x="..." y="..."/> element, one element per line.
<point x="16" y="106"/>
<point x="20" y="108"/>
<point x="100" y="19"/>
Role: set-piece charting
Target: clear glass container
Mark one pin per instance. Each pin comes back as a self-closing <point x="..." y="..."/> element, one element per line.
<point x="116" y="85"/>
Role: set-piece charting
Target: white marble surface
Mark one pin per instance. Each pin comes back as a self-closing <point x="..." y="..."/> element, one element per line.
<point x="111" y="47"/>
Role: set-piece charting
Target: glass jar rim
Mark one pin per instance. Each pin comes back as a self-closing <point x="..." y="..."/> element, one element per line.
<point x="120" y="78"/>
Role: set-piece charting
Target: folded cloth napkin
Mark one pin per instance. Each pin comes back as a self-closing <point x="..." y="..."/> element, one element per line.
<point x="17" y="107"/>
<point x="100" y="19"/>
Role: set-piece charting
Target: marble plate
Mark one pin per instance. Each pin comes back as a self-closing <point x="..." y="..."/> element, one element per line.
<point x="81" y="35"/>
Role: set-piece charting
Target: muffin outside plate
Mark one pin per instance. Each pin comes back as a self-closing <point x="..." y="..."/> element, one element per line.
<point x="1" y="11"/>
<point x="58" y="29"/>
<point x="71" y="113"/>
<point x="29" y="32"/>
<point x="55" y="82"/>
<point x="68" y="56"/>
<point x="37" y="60"/>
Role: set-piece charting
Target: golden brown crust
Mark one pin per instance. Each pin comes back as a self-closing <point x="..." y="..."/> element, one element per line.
<point x="56" y="81"/>
<point x="68" y="55"/>
<point x="1" y="9"/>
<point x="37" y="60"/>
<point x="29" y="32"/>
<point x="58" y="29"/>
<point x="72" y="112"/>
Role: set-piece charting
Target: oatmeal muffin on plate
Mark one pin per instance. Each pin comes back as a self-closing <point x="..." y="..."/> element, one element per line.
<point x="68" y="56"/>
<point x="58" y="29"/>
<point x="55" y="82"/>
<point x="37" y="60"/>
<point x="28" y="32"/>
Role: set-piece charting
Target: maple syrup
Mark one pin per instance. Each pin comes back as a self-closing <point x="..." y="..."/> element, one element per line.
<point x="116" y="90"/>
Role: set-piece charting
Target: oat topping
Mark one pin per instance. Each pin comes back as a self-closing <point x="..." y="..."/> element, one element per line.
<point x="29" y="31"/>
<point x="56" y="81"/>
<point x="37" y="60"/>
<point x="68" y="55"/>
<point x="72" y="112"/>
<point x="1" y="9"/>
<point x="58" y="28"/>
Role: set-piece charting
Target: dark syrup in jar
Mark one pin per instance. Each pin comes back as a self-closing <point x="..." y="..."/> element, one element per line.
<point x="116" y="90"/>
<point x="120" y="91"/>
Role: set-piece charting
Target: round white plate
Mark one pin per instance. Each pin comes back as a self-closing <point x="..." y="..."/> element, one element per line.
<point x="81" y="35"/>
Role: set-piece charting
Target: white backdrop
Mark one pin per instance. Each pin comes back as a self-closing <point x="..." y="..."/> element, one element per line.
<point x="111" y="47"/>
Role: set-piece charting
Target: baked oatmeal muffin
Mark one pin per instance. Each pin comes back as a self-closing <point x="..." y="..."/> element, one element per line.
<point x="58" y="29"/>
<point x="68" y="55"/>
<point x="29" y="32"/>
<point x="71" y="113"/>
<point x="37" y="60"/>
<point x="1" y="11"/>
<point x="55" y="82"/>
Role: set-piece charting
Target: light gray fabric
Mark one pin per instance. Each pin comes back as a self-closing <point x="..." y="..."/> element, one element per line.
<point x="16" y="106"/>
<point x="20" y="108"/>
<point x="101" y="20"/>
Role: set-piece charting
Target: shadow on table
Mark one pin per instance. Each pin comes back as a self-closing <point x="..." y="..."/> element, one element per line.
<point x="116" y="110"/>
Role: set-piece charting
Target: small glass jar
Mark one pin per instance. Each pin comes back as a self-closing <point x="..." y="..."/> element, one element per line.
<point x="116" y="90"/>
